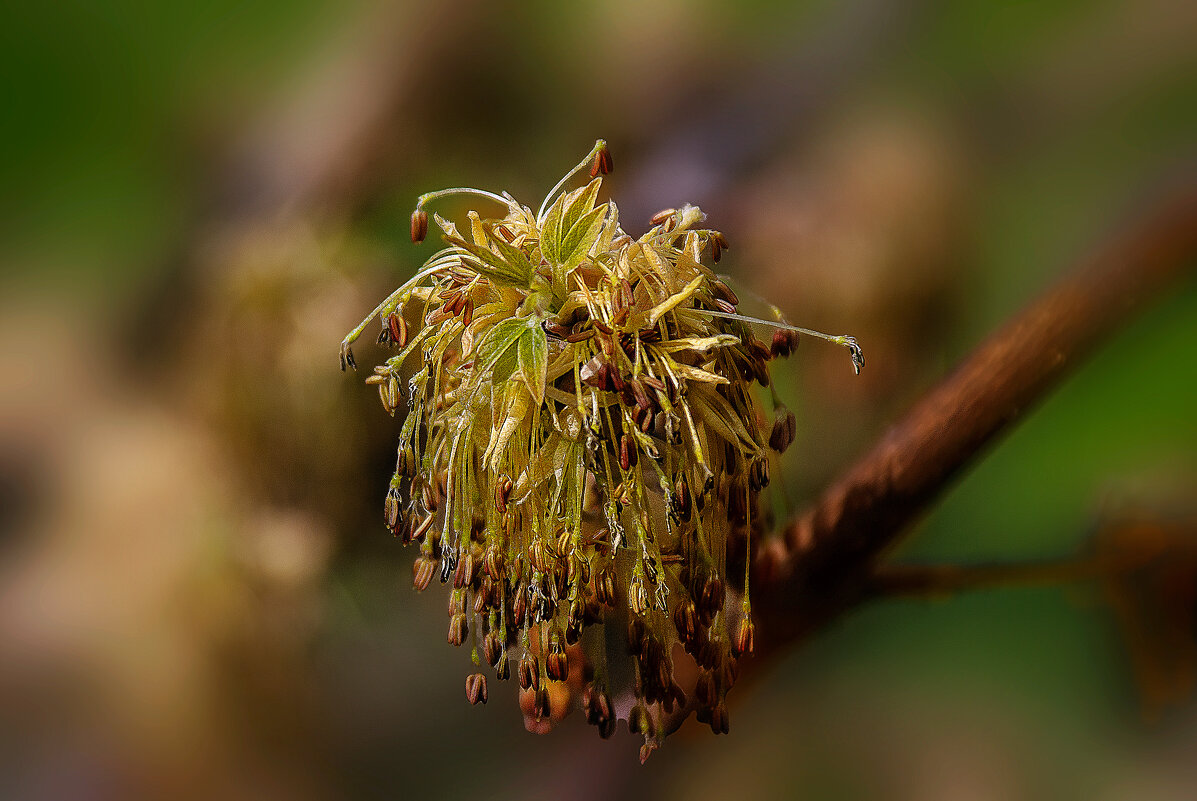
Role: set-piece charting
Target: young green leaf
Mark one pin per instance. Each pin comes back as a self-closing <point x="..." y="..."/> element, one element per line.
<point x="534" y="360"/>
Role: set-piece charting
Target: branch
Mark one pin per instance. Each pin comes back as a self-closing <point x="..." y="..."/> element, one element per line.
<point x="929" y="581"/>
<point x="825" y="563"/>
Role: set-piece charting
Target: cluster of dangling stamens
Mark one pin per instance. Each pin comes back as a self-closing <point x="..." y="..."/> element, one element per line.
<point x="580" y="447"/>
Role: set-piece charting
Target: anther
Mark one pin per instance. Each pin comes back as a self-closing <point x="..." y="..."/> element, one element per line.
<point x="419" y="225"/>
<point x="475" y="688"/>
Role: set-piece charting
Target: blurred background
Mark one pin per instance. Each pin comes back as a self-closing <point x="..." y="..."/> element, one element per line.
<point x="198" y="598"/>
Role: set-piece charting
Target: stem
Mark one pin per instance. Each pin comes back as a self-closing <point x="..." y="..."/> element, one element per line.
<point x="831" y="551"/>
<point x="581" y="165"/>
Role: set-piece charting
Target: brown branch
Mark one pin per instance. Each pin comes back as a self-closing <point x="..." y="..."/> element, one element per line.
<point x="930" y="581"/>
<point x="825" y="563"/>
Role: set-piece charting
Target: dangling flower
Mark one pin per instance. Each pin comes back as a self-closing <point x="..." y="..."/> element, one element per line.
<point x="581" y="442"/>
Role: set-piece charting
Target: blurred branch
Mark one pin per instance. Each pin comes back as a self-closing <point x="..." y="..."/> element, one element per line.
<point x="827" y="562"/>
<point x="925" y="581"/>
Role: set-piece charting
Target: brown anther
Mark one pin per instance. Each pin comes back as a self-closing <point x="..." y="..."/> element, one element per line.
<point x="463" y="574"/>
<point x="505" y="232"/>
<point x="502" y="668"/>
<point x="718" y="245"/>
<point x="711" y="601"/>
<point x="758" y="350"/>
<point x="685" y="619"/>
<point x="784" y="429"/>
<point x="653" y="382"/>
<point x="422" y="528"/>
<point x="626" y="295"/>
<point x="758" y="474"/>
<point x="602" y="327"/>
<point x="760" y="370"/>
<point x="519" y="607"/>
<point x="467" y="313"/>
<point x="602" y="163"/>
<point x="580" y="336"/>
<point x="422" y="571"/>
<point x="564" y="543"/>
<point x="492" y="648"/>
<point x="729" y="673"/>
<point x="391" y="508"/>
<point x="681" y="498"/>
<point x="708" y="655"/>
<point x="540" y="704"/>
<point x="386" y="396"/>
<point x="745" y="633"/>
<point x="502" y="493"/>
<point x="557" y="666"/>
<point x="724" y="306"/>
<point x="637" y="636"/>
<point x="493" y="561"/>
<point x="347" y="358"/>
<point x="419" y="225"/>
<point x="638" y="600"/>
<point x="475" y="688"/>
<point x="719" y="722"/>
<point x="627" y="452"/>
<point x="458" y="629"/>
<point x="542" y="559"/>
<point x="529" y="670"/>
<point x="597" y="705"/>
<point x="661" y="216"/>
<point x="397" y="327"/>
<point x="604" y="586"/>
<point x="649" y="335"/>
<point x="606" y="727"/>
<point x="785" y="342"/>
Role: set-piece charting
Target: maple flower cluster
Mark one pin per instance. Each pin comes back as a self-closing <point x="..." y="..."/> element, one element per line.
<point x="581" y="443"/>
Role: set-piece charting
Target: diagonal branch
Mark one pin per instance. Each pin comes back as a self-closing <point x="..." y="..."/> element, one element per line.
<point x="825" y="563"/>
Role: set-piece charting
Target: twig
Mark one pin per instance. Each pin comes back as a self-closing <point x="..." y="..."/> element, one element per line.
<point x="929" y="581"/>
<point x="825" y="564"/>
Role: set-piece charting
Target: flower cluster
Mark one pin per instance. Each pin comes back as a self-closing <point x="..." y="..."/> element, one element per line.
<point x="581" y="444"/>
